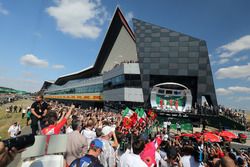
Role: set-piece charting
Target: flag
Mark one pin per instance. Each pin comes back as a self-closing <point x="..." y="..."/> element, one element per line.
<point x="127" y="112"/>
<point x="141" y="115"/>
<point x="127" y="123"/>
<point x="148" y="154"/>
<point x="134" y="118"/>
<point x="140" y="112"/>
<point x="152" y="114"/>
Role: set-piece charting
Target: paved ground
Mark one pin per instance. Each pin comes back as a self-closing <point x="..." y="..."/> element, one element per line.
<point x="17" y="160"/>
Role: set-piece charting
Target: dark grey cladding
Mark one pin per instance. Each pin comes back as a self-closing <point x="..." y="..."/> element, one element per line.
<point x="172" y="56"/>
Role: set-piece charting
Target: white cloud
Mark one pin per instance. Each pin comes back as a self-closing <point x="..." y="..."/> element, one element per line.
<point x="242" y="58"/>
<point x="21" y="83"/>
<point x="223" y="91"/>
<point x="232" y="48"/>
<point x="223" y="61"/>
<point x="239" y="89"/>
<point x="79" y="18"/>
<point x="58" y="66"/>
<point x="3" y="11"/>
<point x="233" y="89"/>
<point x="233" y="72"/>
<point x="129" y="16"/>
<point x="32" y="60"/>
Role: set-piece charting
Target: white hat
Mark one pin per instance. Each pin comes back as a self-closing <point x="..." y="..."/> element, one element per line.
<point x="107" y="130"/>
<point x="165" y="137"/>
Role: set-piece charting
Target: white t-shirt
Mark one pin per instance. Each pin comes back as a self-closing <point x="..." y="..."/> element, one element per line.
<point x="89" y="135"/>
<point x="189" y="161"/>
<point x="69" y="130"/>
<point x="13" y="130"/>
<point x="23" y="111"/>
<point x="157" y="158"/>
<point x="131" y="160"/>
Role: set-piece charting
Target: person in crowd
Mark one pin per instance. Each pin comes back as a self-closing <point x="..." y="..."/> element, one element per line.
<point x="28" y="115"/>
<point x="133" y="159"/>
<point x="76" y="144"/>
<point x="6" y="155"/>
<point x="7" y="110"/>
<point x="20" y="109"/>
<point x="69" y="128"/>
<point x="11" y="108"/>
<point x="14" y="130"/>
<point x="15" y="109"/>
<point x="39" y="110"/>
<point x="23" y="113"/>
<point x="171" y="158"/>
<point x="168" y="126"/>
<point x="88" y="132"/>
<point x="91" y="158"/>
<point x="178" y="127"/>
<point x="188" y="159"/>
<point x="107" y="157"/>
<point x="53" y="125"/>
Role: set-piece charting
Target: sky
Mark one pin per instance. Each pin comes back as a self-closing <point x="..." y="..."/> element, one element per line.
<point x="44" y="39"/>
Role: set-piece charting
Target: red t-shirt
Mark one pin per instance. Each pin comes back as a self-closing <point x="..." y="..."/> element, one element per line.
<point x="54" y="129"/>
<point x="220" y="154"/>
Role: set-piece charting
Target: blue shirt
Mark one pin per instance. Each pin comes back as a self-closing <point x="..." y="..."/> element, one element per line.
<point x="87" y="161"/>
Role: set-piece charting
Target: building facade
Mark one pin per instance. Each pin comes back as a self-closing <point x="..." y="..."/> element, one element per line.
<point x="130" y="63"/>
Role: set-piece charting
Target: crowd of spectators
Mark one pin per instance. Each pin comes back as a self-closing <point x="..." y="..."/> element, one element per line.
<point x="6" y="98"/>
<point x="100" y="138"/>
<point x="125" y="62"/>
<point x="236" y="115"/>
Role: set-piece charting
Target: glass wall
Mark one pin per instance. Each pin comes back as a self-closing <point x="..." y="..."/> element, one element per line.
<point x="78" y="90"/>
<point x="125" y="80"/>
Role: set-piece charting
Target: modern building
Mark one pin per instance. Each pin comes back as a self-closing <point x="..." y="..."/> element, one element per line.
<point x="131" y="63"/>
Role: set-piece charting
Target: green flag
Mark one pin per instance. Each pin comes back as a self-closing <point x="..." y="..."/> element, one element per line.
<point x="127" y="112"/>
<point x="142" y="113"/>
<point x="137" y="111"/>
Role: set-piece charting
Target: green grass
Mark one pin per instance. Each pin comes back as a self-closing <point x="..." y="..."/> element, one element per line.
<point x="7" y="119"/>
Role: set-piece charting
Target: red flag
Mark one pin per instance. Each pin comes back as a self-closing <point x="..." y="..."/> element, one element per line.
<point x="152" y="114"/>
<point x="127" y="123"/>
<point x="134" y="118"/>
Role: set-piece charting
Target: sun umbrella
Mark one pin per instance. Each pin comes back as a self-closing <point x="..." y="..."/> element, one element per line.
<point x="210" y="137"/>
<point x="228" y="134"/>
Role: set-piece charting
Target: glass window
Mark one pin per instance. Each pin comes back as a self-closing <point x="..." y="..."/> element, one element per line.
<point x="161" y="91"/>
<point x="169" y="92"/>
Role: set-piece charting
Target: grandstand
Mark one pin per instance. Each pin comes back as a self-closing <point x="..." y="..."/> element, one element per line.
<point x="4" y="90"/>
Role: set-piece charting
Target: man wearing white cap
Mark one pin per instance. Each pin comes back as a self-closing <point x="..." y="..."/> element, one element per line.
<point x="107" y="157"/>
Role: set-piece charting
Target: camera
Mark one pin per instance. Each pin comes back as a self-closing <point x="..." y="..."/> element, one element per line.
<point x="20" y="142"/>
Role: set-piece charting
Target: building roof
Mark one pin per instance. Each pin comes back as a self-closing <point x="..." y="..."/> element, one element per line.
<point x="46" y="84"/>
<point x="118" y="21"/>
